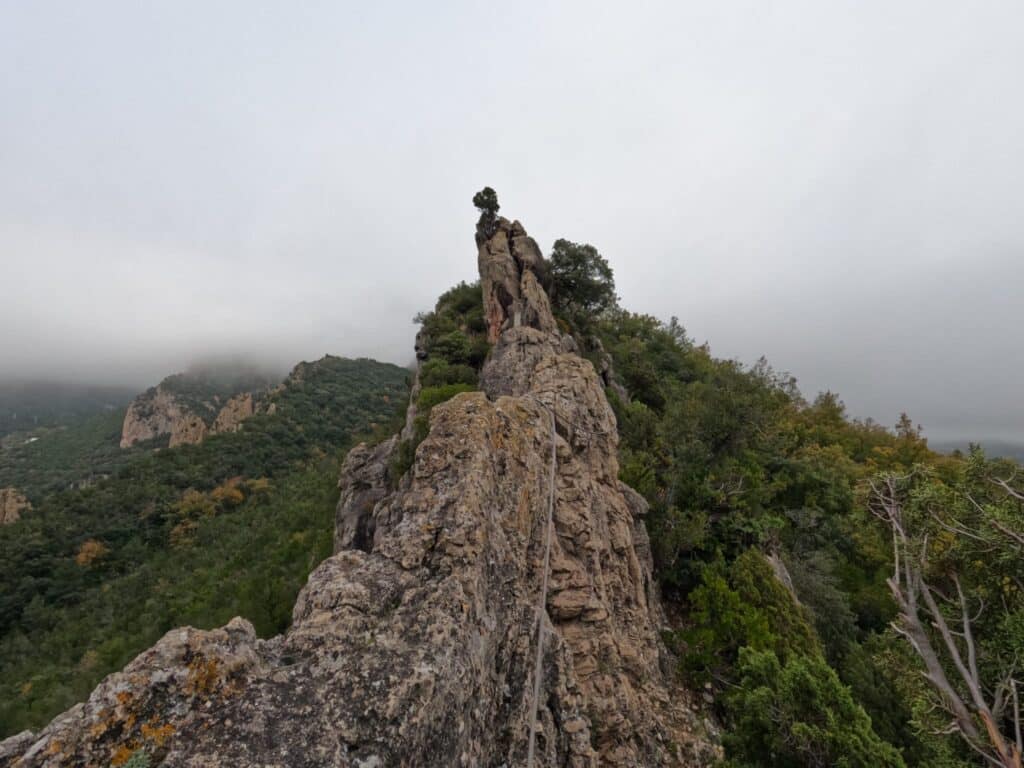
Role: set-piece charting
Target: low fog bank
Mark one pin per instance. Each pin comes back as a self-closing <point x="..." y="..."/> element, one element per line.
<point x="111" y="368"/>
<point x="300" y="183"/>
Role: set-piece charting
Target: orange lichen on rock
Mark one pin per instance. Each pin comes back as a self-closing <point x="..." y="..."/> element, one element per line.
<point x="203" y="676"/>
<point x="157" y="734"/>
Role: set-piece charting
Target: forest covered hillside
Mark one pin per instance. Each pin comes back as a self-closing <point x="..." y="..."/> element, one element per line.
<point x="56" y="437"/>
<point x="27" y="405"/>
<point x="194" y="534"/>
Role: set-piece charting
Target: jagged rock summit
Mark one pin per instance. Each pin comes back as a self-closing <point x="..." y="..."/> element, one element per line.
<point x="413" y="645"/>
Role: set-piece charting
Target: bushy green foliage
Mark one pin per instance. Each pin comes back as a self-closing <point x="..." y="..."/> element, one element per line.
<point x="486" y="201"/>
<point x="454" y="333"/>
<point x="180" y="540"/>
<point x="957" y="532"/>
<point x="742" y="605"/>
<point x="582" y="283"/>
<point x="454" y="339"/>
<point x="76" y="453"/>
<point x="733" y="460"/>
<point x="798" y="713"/>
<point x="438" y="372"/>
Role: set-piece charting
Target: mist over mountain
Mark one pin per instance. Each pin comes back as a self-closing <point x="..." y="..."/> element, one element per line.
<point x="835" y="188"/>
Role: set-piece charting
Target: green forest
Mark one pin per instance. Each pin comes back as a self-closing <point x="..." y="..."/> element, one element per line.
<point x="193" y="535"/>
<point x="59" y="457"/>
<point x="28" y="405"/>
<point x="848" y="596"/>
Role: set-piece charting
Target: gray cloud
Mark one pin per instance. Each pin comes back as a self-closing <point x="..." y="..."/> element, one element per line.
<point x="836" y="186"/>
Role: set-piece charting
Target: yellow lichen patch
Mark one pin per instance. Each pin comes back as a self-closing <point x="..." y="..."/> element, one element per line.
<point x="123" y="698"/>
<point x="157" y="734"/>
<point x="98" y="728"/>
<point x="203" y="676"/>
<point x="54" y="747"/>
<point x="122" y="754"/>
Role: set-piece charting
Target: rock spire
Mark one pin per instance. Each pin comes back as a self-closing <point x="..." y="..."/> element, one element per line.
<point x="413" y="645"/>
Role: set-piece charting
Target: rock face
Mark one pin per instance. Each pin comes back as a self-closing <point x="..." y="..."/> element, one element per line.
<point x="159" y="412"/>
<point x="190" y="429"/>
<point x="12" y="504"/>
<point x="365" y="478"/>
<point x="151" y="415"/>
<point x="235" y="411"/>
<point x="511" y="270"/>
<point x="414" y="644"/>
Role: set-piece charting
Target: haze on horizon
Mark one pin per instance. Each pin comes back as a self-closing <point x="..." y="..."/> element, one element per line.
<point x="834" y="186"/>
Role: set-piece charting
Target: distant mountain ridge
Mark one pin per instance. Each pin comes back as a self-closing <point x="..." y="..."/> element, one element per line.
<point x="28" y="404"/>
<point x="1004" y="449"/>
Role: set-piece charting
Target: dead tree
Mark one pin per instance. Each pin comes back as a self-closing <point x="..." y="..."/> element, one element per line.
<point x="980" y="709"/>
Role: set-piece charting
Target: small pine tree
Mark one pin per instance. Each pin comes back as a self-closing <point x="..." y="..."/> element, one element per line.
<point x="486" y="201"/>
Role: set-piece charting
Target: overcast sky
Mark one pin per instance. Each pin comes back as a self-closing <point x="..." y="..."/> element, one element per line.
<point x="834" y="185"/>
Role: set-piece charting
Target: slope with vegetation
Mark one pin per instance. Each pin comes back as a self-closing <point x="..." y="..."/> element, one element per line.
<point x="187" y="535"/>
<point x="78" y="452"/>
<point x="28" y="405"/>
<point x="771" y="549"/>
<point x="56" y="436"/>
<point x="781" y="578"/>
<point x="842" y="594"/>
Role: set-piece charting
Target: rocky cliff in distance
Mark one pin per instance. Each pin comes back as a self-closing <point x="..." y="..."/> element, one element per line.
<point x="414" y="644"/>
<point x="188" y="415"/>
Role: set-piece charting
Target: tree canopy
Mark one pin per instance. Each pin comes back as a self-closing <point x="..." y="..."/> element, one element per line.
<point x="582" y="283"/>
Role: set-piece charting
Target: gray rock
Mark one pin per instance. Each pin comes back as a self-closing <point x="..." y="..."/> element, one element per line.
<point x="365" y="475"/>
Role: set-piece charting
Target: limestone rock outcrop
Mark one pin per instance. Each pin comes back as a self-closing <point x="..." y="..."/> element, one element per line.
<point x="12" y="504"/>
<point x="152" y="414"/>
<point x="414" y="644"/>
<point x="235" y="411"/>
<point x="159" y="412"/>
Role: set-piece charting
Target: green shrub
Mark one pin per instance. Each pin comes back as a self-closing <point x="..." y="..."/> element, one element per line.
<point x="437" y="372"/>
<point x="582" y="284"/>
<point x="742" y="605"/>
<point x="796" y="714"/>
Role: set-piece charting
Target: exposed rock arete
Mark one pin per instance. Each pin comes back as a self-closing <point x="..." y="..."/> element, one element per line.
<point x="413" y="644"/>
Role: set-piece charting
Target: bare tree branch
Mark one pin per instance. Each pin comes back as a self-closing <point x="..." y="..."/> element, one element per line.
<point x="908" y="584"/>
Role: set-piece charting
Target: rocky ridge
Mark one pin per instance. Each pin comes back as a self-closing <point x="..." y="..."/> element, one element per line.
<point x="413" y="645"/>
